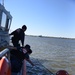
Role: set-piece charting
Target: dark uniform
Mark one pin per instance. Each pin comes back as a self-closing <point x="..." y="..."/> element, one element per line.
<point x="18" y="35"/>
<point x="16" y="58"/>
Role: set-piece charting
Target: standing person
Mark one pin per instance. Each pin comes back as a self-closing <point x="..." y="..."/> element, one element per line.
<point x="18" y="35"/>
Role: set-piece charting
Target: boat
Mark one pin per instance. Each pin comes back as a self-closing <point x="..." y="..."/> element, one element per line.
<point x="5" y="23"/>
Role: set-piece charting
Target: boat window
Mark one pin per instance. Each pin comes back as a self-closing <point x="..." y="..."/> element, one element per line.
<point x="3" y="21"/>
<point x="8" y="24"/>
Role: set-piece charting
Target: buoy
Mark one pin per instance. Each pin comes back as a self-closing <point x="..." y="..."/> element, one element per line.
<point x="62" y="72"/>
<point x="4" y="66"/>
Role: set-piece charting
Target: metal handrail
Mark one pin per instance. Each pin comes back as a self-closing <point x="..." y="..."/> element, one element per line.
<point x="6" y="53"/>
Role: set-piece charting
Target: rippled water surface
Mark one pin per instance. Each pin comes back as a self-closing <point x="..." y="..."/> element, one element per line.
<point x="54" y="53"/>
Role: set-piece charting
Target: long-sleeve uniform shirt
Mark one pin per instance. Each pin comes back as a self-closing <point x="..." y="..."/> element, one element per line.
<point x="18" y="35"/>
<point x="16" y="57"/>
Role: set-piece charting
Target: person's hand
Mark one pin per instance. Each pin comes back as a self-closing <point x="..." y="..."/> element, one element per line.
<point x="23" y="46"/>
<point x="34" y="67"/>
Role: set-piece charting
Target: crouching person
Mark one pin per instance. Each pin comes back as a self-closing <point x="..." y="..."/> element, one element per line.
<point x="17" y="55"/>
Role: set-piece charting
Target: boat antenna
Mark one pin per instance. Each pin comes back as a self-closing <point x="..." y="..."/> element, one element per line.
<point x="3" y="2"/>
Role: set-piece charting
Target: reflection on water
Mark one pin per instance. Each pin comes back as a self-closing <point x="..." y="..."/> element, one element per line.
<point x="54" y="53"/>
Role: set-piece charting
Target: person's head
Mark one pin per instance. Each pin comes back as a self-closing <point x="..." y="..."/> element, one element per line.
<point x="24" y="27"/>
<point x="29" y="51"/>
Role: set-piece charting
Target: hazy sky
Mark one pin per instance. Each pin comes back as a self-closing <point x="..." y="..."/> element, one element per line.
<point x="43" y="17"/>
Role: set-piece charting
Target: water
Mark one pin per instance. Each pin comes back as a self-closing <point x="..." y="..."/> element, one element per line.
<point x="54" y="53"/>
<point x="38" y="69"/>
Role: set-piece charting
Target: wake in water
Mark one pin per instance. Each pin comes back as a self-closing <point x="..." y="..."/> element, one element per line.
<point x="38" y="69"/>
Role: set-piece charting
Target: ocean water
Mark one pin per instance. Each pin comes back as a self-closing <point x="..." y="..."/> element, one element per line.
<point x="53" y="53"/>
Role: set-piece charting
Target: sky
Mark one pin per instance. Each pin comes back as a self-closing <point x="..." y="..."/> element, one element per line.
<point x="54" y="18"/>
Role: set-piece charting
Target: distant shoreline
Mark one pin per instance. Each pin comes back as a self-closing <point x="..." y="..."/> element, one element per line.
<point x="50" y="37"/>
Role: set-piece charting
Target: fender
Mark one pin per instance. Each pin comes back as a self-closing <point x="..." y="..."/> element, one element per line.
<point x="5" y="68"/>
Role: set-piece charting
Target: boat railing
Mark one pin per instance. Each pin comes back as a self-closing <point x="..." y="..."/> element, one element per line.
<point x="5" y="66"/>
<point x="6" y="53"/>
